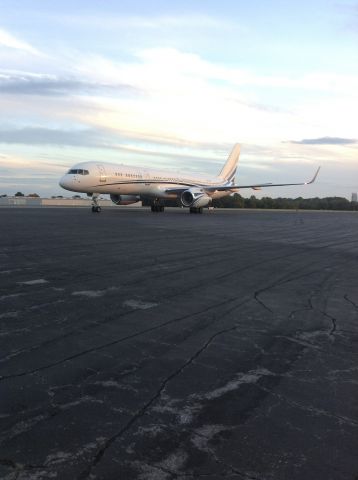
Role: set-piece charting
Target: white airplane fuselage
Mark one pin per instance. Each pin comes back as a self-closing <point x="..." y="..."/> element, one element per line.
<point x="109" y="178"/>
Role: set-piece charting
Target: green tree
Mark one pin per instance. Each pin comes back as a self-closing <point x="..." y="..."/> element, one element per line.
<point x="250" y="202"/>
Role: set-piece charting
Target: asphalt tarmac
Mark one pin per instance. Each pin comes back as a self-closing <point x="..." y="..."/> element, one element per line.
<point x="139" y="345"/>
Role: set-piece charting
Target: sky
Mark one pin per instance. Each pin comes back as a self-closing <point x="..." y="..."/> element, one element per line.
<point x="175" y="84"/>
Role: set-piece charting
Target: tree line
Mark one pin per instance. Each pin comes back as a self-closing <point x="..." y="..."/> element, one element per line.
<point x="237" y="201"/>
<point x="327" y="203"/>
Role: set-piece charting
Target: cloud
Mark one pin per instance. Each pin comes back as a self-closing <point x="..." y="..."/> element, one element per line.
<point x="9" y="41"/>
<point x="157" y="147"/>
<point x="192" y="98"/>
<point x="326" y="141"/>
<point x="52" y="136"/>
<point x="160" y="96"/>
<point x="185" y="101"/>
<point x="38" y="85"/>
<point x="186" y="97"/>
<point x="170" y="60"/>
<point x="19" y="83"/>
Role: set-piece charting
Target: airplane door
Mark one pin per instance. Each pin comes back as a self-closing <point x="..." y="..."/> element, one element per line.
<point x="102" y="173"/>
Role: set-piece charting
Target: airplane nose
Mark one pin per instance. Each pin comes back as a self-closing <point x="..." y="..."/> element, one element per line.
<point x="64" y="182"/>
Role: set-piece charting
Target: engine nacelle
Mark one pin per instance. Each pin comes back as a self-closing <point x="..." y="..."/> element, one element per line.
<point x="195" y="197"/>
<point x="124" y="199"/>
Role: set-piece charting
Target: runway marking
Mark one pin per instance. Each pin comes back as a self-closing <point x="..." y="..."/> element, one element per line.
<point x="109" y="384"/>
<point x="90" y="293"/>
<point x="9" y="315"/>
<point x="94" y="293"/>
<point x="12" y="295"/>
<point x="38" y="281"/>
<point x="252" y="376"/>
<point x="139" y="304"/>
<point x="11" y="271"/>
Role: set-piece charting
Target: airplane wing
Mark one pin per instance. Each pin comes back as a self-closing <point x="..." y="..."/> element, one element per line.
<point x="255" y="186"/>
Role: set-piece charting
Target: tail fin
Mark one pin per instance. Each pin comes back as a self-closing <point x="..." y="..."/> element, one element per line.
<point x="228" y="171"/>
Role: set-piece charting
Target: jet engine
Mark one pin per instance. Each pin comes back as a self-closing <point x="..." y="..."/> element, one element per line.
<point x="195" y="197"/>
<point x="124" y="199"/>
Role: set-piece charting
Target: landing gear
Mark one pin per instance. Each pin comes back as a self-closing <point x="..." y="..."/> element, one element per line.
<point x="196" y="209"/>
<point x="156" y="206"/>
<point x="95" y="205"/>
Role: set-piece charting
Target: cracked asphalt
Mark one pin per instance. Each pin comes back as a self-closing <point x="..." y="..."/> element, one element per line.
<point x="163" y="346"/>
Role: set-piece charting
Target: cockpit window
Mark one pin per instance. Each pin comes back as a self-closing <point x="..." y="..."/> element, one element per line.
<point x="75" y="171"/>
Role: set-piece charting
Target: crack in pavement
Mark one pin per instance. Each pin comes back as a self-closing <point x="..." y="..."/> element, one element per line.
<point x="350" y="301"/>
<point x="332" y="319"/>
<point x="178" y="474"/>
<point x="57" y="410"/>
<point x="195" y="345"/>
<point x="94" y="324"/>
<point x="287" y="279"/>
<point x="314" y="410"/>
<point x="229" y="467"/>
<point x="280" y="282"/>
<point x="122" y="339"/>
<point x="142" y="411"/>
<point x="19" y="467"/>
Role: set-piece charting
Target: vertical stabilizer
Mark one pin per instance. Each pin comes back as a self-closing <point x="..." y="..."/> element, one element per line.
<point x="228" y="171"/>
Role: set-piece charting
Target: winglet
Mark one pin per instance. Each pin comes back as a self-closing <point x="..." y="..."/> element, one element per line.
<point x="314" y="177"/>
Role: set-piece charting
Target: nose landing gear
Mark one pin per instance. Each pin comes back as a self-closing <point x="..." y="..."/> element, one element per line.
<point x="95" y="204"/>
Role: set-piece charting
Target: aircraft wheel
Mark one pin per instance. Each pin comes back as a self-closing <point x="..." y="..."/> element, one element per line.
<point x="157" y="208"/>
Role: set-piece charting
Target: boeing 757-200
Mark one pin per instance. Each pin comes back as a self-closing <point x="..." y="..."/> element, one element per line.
<point x="126" y="184"/>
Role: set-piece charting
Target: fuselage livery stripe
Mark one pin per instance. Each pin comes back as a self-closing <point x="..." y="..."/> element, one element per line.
<point x="161" y="182"/>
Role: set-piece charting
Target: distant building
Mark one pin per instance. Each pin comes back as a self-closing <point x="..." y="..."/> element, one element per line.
<point x="354" y="197"/>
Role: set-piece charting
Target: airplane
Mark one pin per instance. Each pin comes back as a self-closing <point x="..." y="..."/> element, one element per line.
<point x="128" y="184"/>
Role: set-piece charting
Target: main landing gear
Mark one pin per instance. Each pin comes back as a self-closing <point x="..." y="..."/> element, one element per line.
<point x="95" y="205"/>
<point x="156" y="206"/>
<point x="196" y="209"/>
